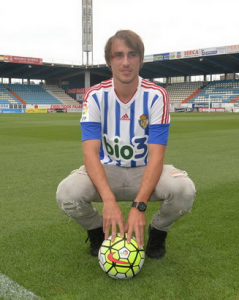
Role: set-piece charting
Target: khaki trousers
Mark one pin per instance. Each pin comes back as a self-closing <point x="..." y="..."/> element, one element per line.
<point x="175" y="191"/>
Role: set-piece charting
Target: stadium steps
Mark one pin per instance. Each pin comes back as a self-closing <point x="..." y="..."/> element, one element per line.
<point x="6" y="97"/>
<point x="235" y="99"/>
<point x="15" y="95"/>
<point x="191" y="96"/>
<point x="60" y="94"/>
<point x="18" y="98"/>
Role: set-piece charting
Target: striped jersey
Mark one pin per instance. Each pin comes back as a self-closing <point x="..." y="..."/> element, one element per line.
<point x="125" y="129"/>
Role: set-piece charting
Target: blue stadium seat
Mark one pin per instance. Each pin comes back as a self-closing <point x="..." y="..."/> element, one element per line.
<point x="6" y="97"/>
<point x="33" y="94"/>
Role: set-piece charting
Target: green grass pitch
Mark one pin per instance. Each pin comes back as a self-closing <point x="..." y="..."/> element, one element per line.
<point x="45" y="252"/>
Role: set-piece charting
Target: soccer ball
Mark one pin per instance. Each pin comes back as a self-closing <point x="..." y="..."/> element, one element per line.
<point x="119" y="259"/>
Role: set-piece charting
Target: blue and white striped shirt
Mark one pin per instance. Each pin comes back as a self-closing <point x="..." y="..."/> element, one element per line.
<point x="126" y="129"/>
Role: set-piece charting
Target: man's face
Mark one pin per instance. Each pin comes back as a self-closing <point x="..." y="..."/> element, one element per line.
<point x="124" y="63"/>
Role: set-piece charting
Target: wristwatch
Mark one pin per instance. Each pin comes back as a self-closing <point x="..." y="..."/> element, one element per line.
<point x="140" y="205"/>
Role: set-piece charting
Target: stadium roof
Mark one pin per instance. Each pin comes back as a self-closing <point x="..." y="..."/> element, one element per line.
<point x="200" y="65"/>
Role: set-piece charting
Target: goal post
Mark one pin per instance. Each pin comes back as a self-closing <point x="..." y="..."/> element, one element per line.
<point x="218" y="98"/>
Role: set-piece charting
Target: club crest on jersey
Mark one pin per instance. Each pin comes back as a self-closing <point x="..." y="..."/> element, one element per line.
<point x="143" y="121"/>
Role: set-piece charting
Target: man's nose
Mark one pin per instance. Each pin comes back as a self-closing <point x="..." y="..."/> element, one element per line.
<point x="125" y="60"/>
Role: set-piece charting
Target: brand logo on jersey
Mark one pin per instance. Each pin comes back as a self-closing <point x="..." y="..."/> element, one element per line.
<point x="111" y="258"/>
<point x="125" y="117"/>
<point x="138" y="149"/>
<point x="143" y="121"/>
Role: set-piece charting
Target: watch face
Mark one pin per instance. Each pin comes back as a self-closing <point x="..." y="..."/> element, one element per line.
<point x="142" y="206"/>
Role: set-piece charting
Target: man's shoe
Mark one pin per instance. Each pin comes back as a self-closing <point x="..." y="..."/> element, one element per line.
<point x="156" y="243"/>
<point x="96" y="237"/>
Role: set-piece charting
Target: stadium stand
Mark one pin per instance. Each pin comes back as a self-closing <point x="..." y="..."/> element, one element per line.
<point x="180" y="91"/>
<point x="34" y="94"/>
<point x="224" y="91"/>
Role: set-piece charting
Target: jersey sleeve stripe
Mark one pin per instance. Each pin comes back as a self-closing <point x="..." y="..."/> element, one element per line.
<point x="165" y="118"/>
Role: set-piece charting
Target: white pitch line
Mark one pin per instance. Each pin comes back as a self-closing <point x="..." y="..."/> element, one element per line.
<point x="10" y="290"/>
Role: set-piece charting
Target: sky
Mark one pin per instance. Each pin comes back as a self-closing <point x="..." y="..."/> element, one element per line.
<point x="52" y="29"/>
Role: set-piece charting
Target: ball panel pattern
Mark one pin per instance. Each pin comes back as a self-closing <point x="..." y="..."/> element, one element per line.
<point x="119" y="259"/>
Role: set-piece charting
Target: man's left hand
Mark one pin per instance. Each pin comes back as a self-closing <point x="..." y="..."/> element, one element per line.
<point x="136" y="223"/>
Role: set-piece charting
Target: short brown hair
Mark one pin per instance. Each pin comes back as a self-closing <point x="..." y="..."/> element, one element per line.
<point x="132" y="40"/>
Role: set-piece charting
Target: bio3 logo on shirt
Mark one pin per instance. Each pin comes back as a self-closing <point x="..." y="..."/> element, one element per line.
<point x="137" y="151"/>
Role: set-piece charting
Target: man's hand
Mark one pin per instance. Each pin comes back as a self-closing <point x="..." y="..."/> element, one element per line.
<point x="112" y="217"/>
<point x="136" y="223"/>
